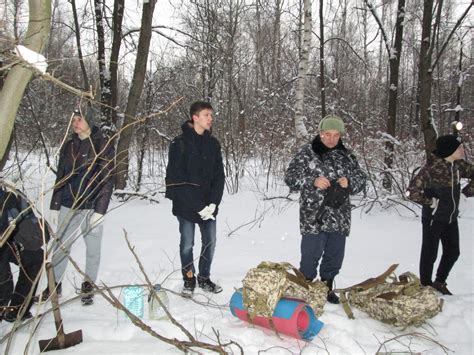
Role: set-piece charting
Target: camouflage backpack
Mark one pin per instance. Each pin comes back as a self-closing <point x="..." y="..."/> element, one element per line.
<point x="401" y="302"/>
<point x="266" y="284"/>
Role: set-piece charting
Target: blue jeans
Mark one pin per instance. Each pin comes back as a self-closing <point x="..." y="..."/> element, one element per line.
<point x="186" y="244"/>
<point x="329" y="246"/>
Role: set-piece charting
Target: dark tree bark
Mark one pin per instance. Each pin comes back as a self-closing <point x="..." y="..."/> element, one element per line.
<point x="104" y="77"/>
<point x="425" y="77"/>
<point x="394" y="63"/>
<point x="85" y="78"/>
<point x="119" y="6"/>
<point x="457" y="115"/>
<point x="134" y="94"/>
<point x="108" y="77"/>
<point x="394" y="54"/>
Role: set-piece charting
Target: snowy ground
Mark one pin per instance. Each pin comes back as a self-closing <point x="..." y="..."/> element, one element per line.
<point x="250" y="230"/>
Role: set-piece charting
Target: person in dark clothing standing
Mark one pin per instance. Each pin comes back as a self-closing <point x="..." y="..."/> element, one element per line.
<point x="81" y="196"/>
<point x="195" y="183"/>
<point x="22" y="239"/>
<point x="437" y="187"/>
<point x="325" y="173"/>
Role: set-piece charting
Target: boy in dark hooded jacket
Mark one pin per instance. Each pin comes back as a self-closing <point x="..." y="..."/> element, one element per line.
<point x="437" y="187"/>
<point x="81" y="196"/>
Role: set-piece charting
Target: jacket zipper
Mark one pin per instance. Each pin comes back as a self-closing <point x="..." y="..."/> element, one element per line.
<point x="452" y="193"/>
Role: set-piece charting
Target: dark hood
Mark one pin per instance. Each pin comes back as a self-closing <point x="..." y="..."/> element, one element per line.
<point x="319" y="147"/>
<point x="188" y="129"/>
<point x="95" y="132"/>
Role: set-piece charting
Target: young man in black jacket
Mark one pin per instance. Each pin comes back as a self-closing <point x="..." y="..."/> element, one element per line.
<point x="81" y="196"/>
<point x="22" y="239"/>
<point x="195" y="183"/>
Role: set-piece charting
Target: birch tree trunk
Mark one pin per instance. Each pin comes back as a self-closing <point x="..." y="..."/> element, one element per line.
<point x="39" y="26"/>
<point x="321" y="59"/>
<point x="104" y="74"/>
<point x="134" y="94"/>
<point x="301" y="133"/>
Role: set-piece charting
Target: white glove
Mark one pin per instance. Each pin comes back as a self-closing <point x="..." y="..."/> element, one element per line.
<point x="96" y="219"/>
<point x="212" y="208"/>
<point x="207" y="212"/>
<point x="434" y="203"/>
<point x="54" y="217"/>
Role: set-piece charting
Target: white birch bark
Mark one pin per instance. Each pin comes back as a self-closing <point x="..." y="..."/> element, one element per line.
<point x="301" y="133"/>
<point x="36" y="37"/>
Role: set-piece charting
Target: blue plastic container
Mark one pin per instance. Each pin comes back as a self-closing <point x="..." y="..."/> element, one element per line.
<point x="133" y="300"/>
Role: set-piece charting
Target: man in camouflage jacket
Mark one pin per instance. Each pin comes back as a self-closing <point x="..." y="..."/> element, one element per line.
<point x="437" y="188"/>
<point x="325" y="173"/>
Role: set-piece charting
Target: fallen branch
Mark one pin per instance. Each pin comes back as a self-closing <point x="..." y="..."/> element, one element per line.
<point x="126" y="195"/>
<point x="414" y="335"/>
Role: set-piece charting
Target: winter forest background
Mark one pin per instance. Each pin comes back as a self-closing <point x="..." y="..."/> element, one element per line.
<point x="253" y="60"/>
<point x="398" y="72"/>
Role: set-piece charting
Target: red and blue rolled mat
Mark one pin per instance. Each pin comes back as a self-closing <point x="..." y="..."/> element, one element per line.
<point x="292" y="317"/>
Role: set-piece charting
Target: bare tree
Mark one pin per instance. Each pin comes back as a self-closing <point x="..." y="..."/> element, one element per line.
<point x="426" y="68"/>
<point x="14" y="86"/>
<point x="85" y="77"/>
<point x="108" y="77"/>
<point x="134" y="94"/>
<point x="300" y="129"/>
<point x="394" y="54"/>
<point x="425" y="76"/>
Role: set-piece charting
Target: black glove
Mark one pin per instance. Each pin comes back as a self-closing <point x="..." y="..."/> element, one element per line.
<point x="336" y="195"/>
<point x="468" y="190"/>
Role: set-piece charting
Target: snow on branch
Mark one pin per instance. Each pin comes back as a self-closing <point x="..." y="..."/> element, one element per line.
<point x="36" y="60"/>
<point x="38" y="63"/>
<point x="388" y="137"/>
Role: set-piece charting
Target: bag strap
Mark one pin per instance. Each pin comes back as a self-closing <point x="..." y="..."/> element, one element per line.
<point x="369" y="283"/>
<point x="346" y="306"/>
<point x="363" y="286"/>
<point x="283" y="266"/>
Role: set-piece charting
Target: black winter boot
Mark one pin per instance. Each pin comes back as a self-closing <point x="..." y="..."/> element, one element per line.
<point x="331" y="297"/>
<point x="12" y="316"/>
<point x="45" y="294"/>
<point x="441" y="287"/>
<point x="87" y="297"/>
<point x="189" y="286"/>
<point x="209" y="286"/>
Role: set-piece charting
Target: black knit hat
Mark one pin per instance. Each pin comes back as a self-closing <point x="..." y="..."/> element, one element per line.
<point x="447" y="145"/>
<point x="89" y="116"/>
